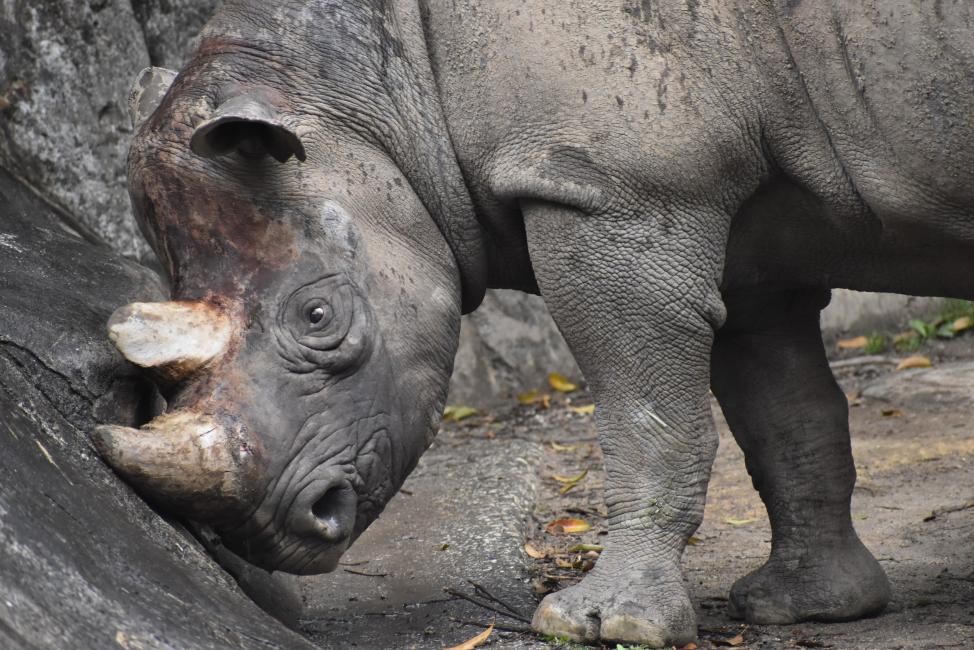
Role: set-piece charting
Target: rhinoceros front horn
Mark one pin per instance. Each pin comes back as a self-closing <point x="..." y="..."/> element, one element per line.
<point x="250" y="125"/>
<point x="185" y="461"/>
<point x="173" y="339"/>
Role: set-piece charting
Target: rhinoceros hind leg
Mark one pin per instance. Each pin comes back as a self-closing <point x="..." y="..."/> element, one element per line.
<point x="839" y="583"/>
<point x="772" y="378"/>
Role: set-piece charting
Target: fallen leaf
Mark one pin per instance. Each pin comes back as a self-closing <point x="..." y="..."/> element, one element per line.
<point x="569" y="482"/>
<point x="580" y="548"/>
<point x="560" y="383"/>
<point x="444" y="547"/>
<point x="478" y="640"/>
<point x="854" y="399"/>
<point x="962" y="323"/>
<point x="533" y="552"/>
<point x="739" y="522"/>
<point x="856" y="343"/>
<point x="557" y="447"/>
<point x="535" y="397"/>
<point x="588" y="409"/>
<point x="892" y="413"/>
<point x="689" y="646"/>
<point x="731" y="642"/>
<point x="916" y="361"/>
<point x="694" y="540"/>
<point x="564" y="564"/>
<point x="490" y="434"/>
<point x="568" y="526"/>
<point x="457" y="413"/>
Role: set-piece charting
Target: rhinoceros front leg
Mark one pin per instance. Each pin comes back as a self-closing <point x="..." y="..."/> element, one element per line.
<point x="772" y="378"/>
<point x="636" y="297"/>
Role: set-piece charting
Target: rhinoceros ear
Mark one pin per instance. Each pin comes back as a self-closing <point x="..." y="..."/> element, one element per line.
<point x="250" y="125"/>
<point x="147" y="92"/>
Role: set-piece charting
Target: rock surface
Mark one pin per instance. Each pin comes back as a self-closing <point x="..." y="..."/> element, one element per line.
<point x="65" y="73"/>
<point x="948" y="384"/>
<point x="507" y="346"/>
<point x="84" y="562"/>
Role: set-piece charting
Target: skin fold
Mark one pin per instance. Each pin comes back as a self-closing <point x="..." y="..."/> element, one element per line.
<point x="683" y="181"/>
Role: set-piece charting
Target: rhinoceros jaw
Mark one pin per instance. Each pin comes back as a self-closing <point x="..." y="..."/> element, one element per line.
<point x="185" y="461"/>
<point x="174" y="339"/>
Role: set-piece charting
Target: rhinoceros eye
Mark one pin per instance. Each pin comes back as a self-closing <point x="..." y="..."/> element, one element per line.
<point x="316" y="315"/>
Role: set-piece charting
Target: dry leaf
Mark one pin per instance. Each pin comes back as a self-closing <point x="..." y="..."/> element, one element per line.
<point x="533" y="552"/>
<point x="736" y="641"/>
<point x="561" y="384"/>
<point x="557" y="447"/>
<point x="563" y="564"/>
<point x="568" y="526"/>
<point x="733" y="641"/>
<point x="478" y="640"/>
<point x="689" y="646"/>
<point x="892" y="413"/>
<point x="962" y="323"/>
<point x="569" y="482"/>
<point x="856" y="343"/>
<point x="916" y="361"/>
<point x="535" y="397"/>
<point x="739" y="522"/>
<point x="588" y="409"/>
<point x="457" y="413"/>
<point x="694" y="540"/>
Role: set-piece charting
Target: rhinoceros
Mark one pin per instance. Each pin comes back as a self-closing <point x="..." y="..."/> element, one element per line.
<point x="330" y="184"/>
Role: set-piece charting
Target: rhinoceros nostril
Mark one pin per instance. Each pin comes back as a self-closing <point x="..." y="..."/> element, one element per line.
<point x="334" y="513"/>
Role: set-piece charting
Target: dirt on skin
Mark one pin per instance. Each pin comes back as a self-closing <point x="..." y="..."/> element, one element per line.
<point x="913" y="506"/>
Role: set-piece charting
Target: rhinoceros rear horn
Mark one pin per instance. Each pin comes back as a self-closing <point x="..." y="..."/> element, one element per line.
<point x="249" y="125"/>
<point x="173" y="339"/>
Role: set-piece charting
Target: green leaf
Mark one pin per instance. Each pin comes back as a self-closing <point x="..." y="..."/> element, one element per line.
<point x="457" y="413"/>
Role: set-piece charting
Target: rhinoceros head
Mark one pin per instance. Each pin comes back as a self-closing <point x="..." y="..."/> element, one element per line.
<point x="305" y="355"/>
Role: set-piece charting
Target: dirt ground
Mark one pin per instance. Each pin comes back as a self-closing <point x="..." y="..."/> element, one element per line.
<point x="913" y="507"/>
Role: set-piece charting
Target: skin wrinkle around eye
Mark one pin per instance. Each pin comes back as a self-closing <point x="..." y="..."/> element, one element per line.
<point x="344" y="342"/>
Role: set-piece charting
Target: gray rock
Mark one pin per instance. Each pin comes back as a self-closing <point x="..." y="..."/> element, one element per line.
<point x="65" y="73"/>
<point x="945" y="385"/>
<point x="862" y="312"/>
<point x="507" y="346"/>
<point x="65" y="128"/>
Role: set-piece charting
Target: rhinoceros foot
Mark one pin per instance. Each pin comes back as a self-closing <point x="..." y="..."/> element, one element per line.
<point x="621" y="604"/>
<point x="822" y="582"/>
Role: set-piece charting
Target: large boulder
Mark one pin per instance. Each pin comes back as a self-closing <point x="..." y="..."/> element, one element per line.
<point x="65" y="73"/>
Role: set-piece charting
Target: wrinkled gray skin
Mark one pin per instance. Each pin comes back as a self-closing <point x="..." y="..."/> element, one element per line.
<point x="683" y="181"/>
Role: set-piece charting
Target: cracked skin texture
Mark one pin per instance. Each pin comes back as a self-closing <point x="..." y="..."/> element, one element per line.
<point x="683" y="181"/>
